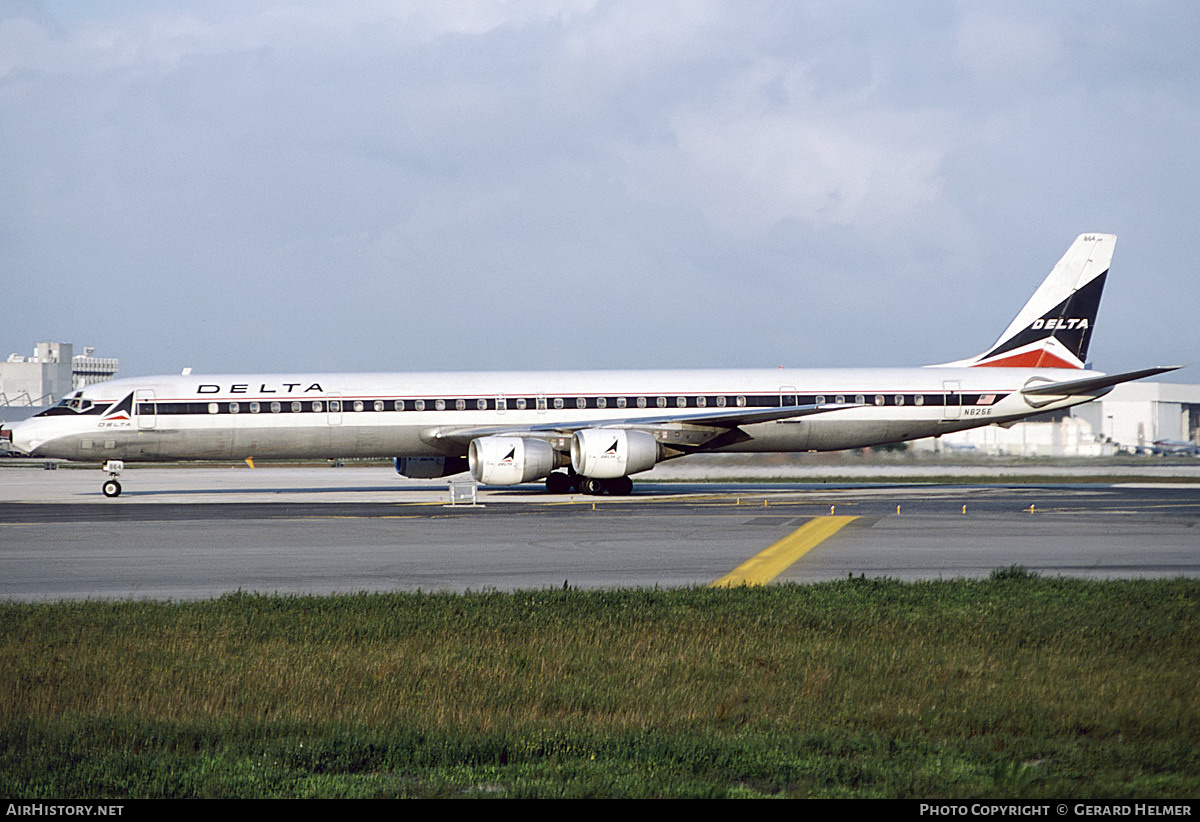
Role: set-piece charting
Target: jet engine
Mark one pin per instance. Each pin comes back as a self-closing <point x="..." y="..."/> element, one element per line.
<point x="608" y="453"/>
<point x="509" y="460"/>
<point x="430" y="467"/>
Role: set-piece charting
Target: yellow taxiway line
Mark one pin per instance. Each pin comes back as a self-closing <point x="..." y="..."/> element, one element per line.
<point x="766" y="565"/>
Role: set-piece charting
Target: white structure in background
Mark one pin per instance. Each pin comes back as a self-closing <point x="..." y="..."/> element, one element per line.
<point x="86" y="369"/>
<point x="1137" y="415"/>
<point x="1133" y="417"/>
<point x="1065" y="437"/>
<point x="52" y="372"/>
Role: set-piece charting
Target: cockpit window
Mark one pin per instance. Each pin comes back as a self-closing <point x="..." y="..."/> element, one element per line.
<point x="67" y="405"/>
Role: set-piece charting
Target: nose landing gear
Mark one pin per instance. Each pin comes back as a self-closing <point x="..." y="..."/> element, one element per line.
<point x="111" y="487"/>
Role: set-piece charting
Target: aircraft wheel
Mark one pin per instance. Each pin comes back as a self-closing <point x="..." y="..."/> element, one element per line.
<point x="112" y="488"/>
<point x="588" y="485"/>
<point x="620" y="487"/>
<point x="558" y="483"/>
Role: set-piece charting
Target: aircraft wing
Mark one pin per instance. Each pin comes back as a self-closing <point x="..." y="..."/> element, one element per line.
<point x="716" y="422"/>
<point x="1089" y="385"/>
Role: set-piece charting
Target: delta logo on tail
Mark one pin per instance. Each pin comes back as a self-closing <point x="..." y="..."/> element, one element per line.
<point x="1055" y="327"/>
<point x="1057" y="339"/>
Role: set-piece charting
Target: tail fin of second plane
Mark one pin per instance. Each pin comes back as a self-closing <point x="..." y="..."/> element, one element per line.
<point x="1054" y="328"/>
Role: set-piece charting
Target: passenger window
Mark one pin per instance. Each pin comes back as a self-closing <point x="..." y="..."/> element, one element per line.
<point x="602" y="402"/>
<point x="840" y="399"/>
<point x="820" y="399"/>
<point x="701" y="402"/>
<point x="919" y="399"/>
<point x="275" y="407"/>
<point x="661" y="402"/>
<point x="641" y="402"/>
<point x="721" y="401"/>
<point x="460" y="405"/>
<point x="558" y="403"/>
<point x="581" y="402"/>
<point x="297" y="407"/>
<point x="741" y="401"/>
<point x="213" y="408"/>
<point x="377" y="405"/>
<point x="520" y="403"/>
<point x="481" y="405"/>
<point x="621" y="402"/>
<point x="419" y="405"/>
<point x="899" y="399"/>
<point x="398" y="405"/>
<point x="440" y="405"/>
<point x="234" y="408"/>
<point x="681" y="402"/>
<point x="358" y="406"/>
<point x="318" y="406"/>
<point x="879" y="399"/>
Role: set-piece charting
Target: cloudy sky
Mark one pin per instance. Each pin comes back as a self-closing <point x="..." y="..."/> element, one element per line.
<point x="282" y="186"/>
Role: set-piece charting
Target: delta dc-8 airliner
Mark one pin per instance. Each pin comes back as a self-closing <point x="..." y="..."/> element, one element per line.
<point x="588" y="431"/>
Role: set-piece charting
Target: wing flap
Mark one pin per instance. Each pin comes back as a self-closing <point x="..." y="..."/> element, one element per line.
<point x="716" y="421"/>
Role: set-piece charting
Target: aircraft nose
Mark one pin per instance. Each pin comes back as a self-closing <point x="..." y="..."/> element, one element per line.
<point x="21" y="437"/>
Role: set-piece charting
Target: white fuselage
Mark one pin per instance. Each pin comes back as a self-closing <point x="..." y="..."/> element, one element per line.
<point x="332" y="415"/>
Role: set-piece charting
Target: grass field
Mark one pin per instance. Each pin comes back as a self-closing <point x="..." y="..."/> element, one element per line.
<point x="1015" y="686"/>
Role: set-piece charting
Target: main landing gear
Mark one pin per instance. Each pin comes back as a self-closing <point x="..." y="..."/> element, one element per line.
<point x="562" y="482"/>
<point x="111" y="487"/>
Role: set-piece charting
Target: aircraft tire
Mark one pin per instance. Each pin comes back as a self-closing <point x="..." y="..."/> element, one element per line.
<point x="112" y="488"/>
<point x="620" y="487"/>
<point x="559" y="483"/>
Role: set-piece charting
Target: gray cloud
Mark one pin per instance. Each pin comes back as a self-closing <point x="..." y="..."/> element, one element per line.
<point x="482" y="185"/>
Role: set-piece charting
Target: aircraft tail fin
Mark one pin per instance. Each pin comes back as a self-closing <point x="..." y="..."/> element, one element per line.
<point x="1054" y="328"/>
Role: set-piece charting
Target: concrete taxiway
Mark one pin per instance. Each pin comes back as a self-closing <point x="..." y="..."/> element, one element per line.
<point x="183" y="533"/>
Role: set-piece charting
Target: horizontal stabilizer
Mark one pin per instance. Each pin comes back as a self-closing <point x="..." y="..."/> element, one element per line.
<point x="1087" y="386"/>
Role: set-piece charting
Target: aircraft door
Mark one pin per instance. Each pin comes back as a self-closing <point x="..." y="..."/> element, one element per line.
<point x="333" y="404"/>
<point x="952" y="402"/>
<point x="788" y="396"/>
<point x="145" y="409"/>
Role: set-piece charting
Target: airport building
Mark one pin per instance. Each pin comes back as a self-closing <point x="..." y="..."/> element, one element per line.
<point x="1137" y="415"/>
<point x="51" y="373"/>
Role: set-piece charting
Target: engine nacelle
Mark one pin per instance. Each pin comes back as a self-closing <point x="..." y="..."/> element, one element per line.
<point x="608" y="453"/>
<point x="509" y="460"/>
<point x="430" y="467"/>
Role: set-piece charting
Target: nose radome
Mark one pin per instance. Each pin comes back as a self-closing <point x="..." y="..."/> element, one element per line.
<point x="22" y="437"/>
